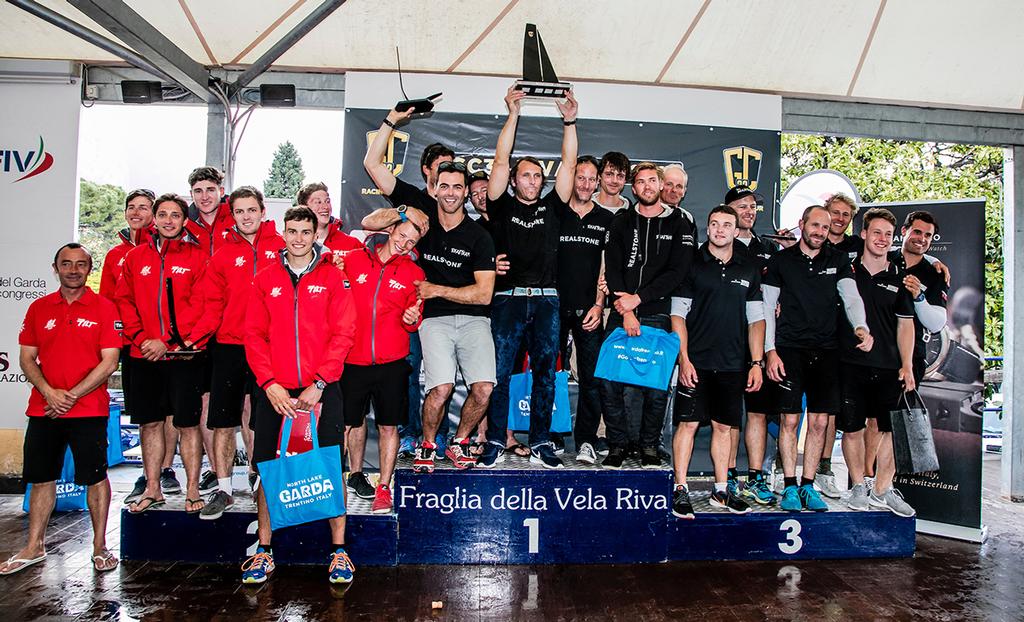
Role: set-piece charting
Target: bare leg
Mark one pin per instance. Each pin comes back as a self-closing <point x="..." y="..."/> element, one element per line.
<point x="263" y="530"/>
<point x="755" y="436"/>
<point x="388" y="446"/>
<point x="192" y="457"/>
<point x="871" y="439"/>
<point x="356" y="447"/>
<point x="830" y="440"/>
<point x="721" y="446"/>
<point x="433" y="409"/>
<point x="208" y="447"/>
<point x="247" y="431"/>
<point x="853" y="453"/>
<point x="886" y="463"/>
<point x="41" y="502"/>
<point x="152" y="437"/>
<point x="813" y="442"/>
<point x="224" y="450"/>
<point x="788" y="443"/>
<point x="734" y="446"/>
<point x="682" y="449"/>
<point x="170" y="443"/>
<point x="98" y="499"/>
<point x="475" y="408"/>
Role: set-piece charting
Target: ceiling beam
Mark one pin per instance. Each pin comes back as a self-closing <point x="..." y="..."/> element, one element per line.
<point x="867" y="47"/>
<point x="124" y="23"/>
<point x="682" y="41"/>
<point x="483" y="35"/>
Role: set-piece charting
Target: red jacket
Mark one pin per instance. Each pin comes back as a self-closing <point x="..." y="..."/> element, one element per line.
<point x="228" y="279"/>
<point x="141" y="294"/>
<point x="382" y="293"/>
<point x="114" y="259"/>
<point x="210" y="238"/>
<point x="338" y="241"/>
<point x="299" y="329"/>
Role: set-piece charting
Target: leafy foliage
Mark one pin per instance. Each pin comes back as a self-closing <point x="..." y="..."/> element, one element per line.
<point x="100" y="217"/>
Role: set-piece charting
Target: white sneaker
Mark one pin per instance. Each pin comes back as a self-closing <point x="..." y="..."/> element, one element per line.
<point x="778" y="482"/>
<point x="869" y="482"/>
<point x="586" y="454"/>
<point x="858" y="500"/>
<point x="826" y="484"/>
<point x="893" y="501"/>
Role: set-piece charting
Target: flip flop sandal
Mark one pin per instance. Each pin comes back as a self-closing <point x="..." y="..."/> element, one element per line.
<point x="193" y="503"/>
<point x="25" y="563"/>
<point x="476" y="448"/>
<point x="103" y="560"/>
<point x="519" y="449"/>
<point x="152" y="504"/>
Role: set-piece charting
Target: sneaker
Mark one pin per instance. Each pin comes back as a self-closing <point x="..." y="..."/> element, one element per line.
<point x="441" y="442"/>
<point x="616" y="456"/>
<point x="681" y="506"/>
<point x="586" y="454"/>
<point x="732" y="486"/>
<point x="341" y="568"/>
<point x="208" y="483"/>
<point x="424" y="460"/>
<point x="257" y="568"/>
<point x="215" y="506"/>
<point x="460" y="456"/>
<point x="558" y="442"/>
<point x="360" y="485"/>
<point x="757" y="491"/>
<point x="725" y="500"/>
<point x="544" y="454"/>
<point x="169" y="482"/>
<point x="407" y="447"/>
<point x="778" y="481"/>
<point x="826" y="483"/>
<point x="649" y="458"/>
<point x="811" y="500"/>
<point x="137" y="491"/>
<point x="893" y="501"/>
<point x="791" y="500"/>
<point x="492" y="455"/>
<point x="254" y="481"/>
<point x="869" y="482"/>
<point x="601" y="447"/>
<point x="858" y="499"/>
<point x="382" y="503"/>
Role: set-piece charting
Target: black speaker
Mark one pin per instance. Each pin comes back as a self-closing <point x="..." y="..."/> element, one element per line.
<point x="141" y="91"/>
<point x="277" y="95"/>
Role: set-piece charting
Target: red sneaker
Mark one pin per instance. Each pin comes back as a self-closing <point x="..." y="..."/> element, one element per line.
<point x="460" y="455"/>
<point x="424" y="460"/>
<point x="382" y="503"/>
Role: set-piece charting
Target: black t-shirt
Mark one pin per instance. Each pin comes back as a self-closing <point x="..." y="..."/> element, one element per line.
<point x="528" y="234"/>
<point x="809" y="298"/>
<point x="885" y="300"/>
<point x="580" y="246"/>
<point x="936" y="293"/>
<point x="408" y="194"/>
<point x="450" y="258"/>
<point x="852" y="245"/>
<point x="756" y="249"/>
<point x="716" y="326"/>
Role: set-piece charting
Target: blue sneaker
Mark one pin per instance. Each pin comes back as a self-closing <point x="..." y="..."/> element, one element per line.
<point x="442" y="445"/>
<point x="493" y="454"/>
<point x="758" y="492"/>
<point x="341" y="568"/>
<point x="732" y="486"/>
<point x="407" y="447"/>
<point x="811" y="500"/>
<point x="791" y="500"/>
<point x="257" y="568"/>
<point x="544" y="454"/>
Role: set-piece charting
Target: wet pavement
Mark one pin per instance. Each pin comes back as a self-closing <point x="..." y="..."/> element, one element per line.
<point x="946" y="580"/>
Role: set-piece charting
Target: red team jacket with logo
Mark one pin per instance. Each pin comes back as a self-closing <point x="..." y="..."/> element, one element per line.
<point x="70" y="339"/>
<point x="142" y="290"/>
<point x="114" y="259"/>
<point x="209" y="237"/>
<point x="382" y="293"/>
<point x="338" y="241"/>
<point x="299" y="329"/>
<point x="228" y="279"/>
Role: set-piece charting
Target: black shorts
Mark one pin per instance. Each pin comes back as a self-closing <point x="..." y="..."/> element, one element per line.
<point x="231" y="381"/>
<point x="47" y="440"/>
<point x="266" y="424"/>
<point x="164" y="389"/>
<point x="717" y="397"/>
<point x="811" y="372"/>
<point x="868" y="392"/>
<point x="385" y="386"/>
<point x="206" y="363"/>
<point x="126" y="376"/>
<point x="763" y="401"/>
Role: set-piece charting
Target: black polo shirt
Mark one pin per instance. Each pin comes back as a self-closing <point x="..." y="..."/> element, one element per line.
<point x="852" y="245"/>
<point x="755" y="248"/>
<point x="580" y="246"/>
<point x="716" y="326"/>
<point x="936" y="293"/>
<point x="809" y="299"/>
<point x="450" y="258"/>
<point x="408" y="194"/>
<point x="885" y="301"/>
<point x="528" y="234"/>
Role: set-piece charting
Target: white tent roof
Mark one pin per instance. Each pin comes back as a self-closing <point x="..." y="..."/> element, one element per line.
<point x="944" y="53"/>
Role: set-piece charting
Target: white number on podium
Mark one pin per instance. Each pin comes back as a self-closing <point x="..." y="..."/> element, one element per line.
<point x="533" y="527"/>
<point x="251" y="530"/>
<point x="791" y="527"/>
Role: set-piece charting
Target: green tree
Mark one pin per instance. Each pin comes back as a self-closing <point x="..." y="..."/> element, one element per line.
<point x="100" y="217"/>
<point x="286" y="173"/>
<point x="898" y="170"/>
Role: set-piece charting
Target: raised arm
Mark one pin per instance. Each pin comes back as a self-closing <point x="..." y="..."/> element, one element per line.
<point x="498" y="181"/>
<point x="570" y="147"/>
<point x="381" y="175"/>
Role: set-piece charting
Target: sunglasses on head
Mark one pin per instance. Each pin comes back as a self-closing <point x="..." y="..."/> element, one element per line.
<point x="143" y="192"/>
<point x="445" y="167"/>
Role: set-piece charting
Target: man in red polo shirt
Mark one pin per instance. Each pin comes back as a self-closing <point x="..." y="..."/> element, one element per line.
<point x="69" y="347"/>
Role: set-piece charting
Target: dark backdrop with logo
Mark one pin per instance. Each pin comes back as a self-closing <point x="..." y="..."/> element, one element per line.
<point x="706" y="153"/>
<point x="952" y="389"/>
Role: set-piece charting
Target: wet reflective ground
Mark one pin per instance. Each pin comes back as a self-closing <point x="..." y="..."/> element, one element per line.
<point x="946" y="580"/>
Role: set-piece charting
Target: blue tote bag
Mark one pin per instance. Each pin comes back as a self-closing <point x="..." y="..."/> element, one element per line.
<point x="70" y="496"/>
<point x="520" y="388"/>
<point x="305" y="487"/>
<point x="646" y="360"/>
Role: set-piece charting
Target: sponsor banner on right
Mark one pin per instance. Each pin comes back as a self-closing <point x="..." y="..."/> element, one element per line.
<point x="952" y="388"/>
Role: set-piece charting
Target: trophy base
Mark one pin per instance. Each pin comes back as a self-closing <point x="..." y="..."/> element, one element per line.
<point x="546" y="90"/>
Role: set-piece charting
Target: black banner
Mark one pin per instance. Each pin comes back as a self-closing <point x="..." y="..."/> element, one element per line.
<point x="711" y="155"/>
<point x="952" y="388"/>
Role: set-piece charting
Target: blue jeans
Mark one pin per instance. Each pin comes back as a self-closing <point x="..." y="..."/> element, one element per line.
<point x="515" y="319"/>
<point x="414" y="428"/>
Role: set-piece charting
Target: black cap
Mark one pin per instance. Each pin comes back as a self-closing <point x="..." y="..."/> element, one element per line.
<point x="478" y="176"/>
<point x="738" y="192"/>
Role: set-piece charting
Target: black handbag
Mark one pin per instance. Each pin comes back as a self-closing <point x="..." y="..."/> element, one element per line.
<point x="912" y="440"/>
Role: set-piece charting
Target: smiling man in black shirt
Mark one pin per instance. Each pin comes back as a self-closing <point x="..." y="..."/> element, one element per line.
<point x="807" y="280"/>
<point x="525" y="309"/>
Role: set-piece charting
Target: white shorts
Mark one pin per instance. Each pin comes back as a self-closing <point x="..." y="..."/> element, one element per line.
<point x="456" y="343"/>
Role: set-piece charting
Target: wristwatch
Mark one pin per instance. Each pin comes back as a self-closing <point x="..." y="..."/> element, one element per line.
<point x="320" y="384"/>
<point x="757" y="363"/>
<point x="401" y="212"/>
